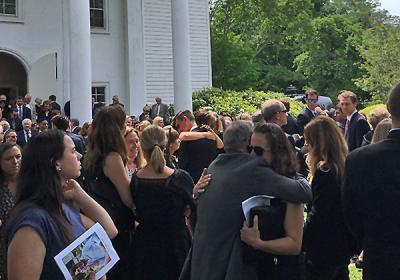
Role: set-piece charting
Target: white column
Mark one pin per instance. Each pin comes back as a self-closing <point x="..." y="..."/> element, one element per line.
<point x="135" y="56"/>
<point x="181" y="54"/>
<point x="80" y="60"/>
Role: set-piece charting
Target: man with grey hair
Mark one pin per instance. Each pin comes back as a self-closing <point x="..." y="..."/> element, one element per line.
<point x="236" y="176"/>
<point x="274" y="111"/>
<point x="24" y="135"/>
<point x="28" y="100"/>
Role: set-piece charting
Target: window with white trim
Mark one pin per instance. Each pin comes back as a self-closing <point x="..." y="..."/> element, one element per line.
<point x="98" y="14"/>
<point x="99" y="93"/>
<point x="8" y="7"/>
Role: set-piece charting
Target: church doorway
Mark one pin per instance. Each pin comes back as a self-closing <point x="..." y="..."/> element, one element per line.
<point x="13" y="77"/>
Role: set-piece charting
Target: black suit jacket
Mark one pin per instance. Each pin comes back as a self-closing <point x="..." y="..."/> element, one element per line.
<point x="21" y="141"/>
<point x="304" y="118"/>
<point x="26" y="113"/>
<point x="15" y="124"/>
<point x="196" y="155"/>
<point x="163" y="111"/>
<point x="291" y="126"/>
<point x="78" y="141"/>
<point x="358" y="127"/>
<point x="371" y="196"/>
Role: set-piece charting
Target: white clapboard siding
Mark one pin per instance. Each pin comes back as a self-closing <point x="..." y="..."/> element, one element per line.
<point x="159" y="72"/>
<point x="200" y="44"/>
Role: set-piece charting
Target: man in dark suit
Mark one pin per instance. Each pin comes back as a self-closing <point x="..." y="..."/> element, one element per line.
<point x="24" y="135"/>
<point x="14" y="121"/>
<point x="371" y="196"/>
<point x="194" y="155"/>
<point x="160" y="109"/>
<point x="55" y="108"/>
<point x="309" y="112"/>
<point x="62" y="123"/>
<point x="74" y="126"/>
<point x="23" y="111"/>
<point x="291" y="126"/>
<point x="235" y="177"/>
<point x="115" y="101"/>
<point x="356" y="125"/>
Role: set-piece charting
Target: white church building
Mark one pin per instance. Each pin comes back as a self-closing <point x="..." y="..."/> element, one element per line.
<point x="79" y="49"/>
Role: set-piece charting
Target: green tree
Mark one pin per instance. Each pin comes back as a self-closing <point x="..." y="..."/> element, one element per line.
<point x="233" y="63"/>
<point x="330" y="59"/>
<point x="380" y="51"/>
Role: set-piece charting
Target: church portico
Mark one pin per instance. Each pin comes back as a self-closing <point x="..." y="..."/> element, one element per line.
<point x="134" y="49"/>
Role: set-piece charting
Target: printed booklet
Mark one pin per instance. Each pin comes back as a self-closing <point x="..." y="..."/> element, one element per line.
<point x="92" y="252"/>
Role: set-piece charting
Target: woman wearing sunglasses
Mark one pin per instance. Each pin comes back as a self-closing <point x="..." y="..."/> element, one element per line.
<point x="270" y="142"/>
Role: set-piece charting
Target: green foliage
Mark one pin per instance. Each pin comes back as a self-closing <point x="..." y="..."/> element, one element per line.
<point x="368" y="109"/>
<point x="234" y="102"/>
<point x="233" y="64"/>
<point x="330" y="55"/>
<point x="380" y="50"/>
<point x="329" y="45"/>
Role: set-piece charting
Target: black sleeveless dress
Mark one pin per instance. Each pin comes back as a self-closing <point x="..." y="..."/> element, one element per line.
<point x="162" y="239"/>
<point x="105" y="193"/>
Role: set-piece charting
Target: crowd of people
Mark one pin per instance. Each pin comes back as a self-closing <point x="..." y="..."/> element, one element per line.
<point x="169" y="190"/>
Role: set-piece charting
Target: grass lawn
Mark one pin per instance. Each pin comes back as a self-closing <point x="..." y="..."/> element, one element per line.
<point x="355" y="274"/>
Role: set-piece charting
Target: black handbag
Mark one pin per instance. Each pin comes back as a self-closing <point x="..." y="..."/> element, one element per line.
<point x="270" y="225"/>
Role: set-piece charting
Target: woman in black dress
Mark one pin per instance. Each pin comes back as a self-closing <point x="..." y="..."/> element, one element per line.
<point x="162" y="197"/>
<point x="327" y="240"/>
<point x="108" y="182"/>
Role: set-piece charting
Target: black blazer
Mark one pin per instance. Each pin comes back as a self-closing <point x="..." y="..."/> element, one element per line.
<point x="78" y="141"/>
<point x="21" y="137"/>
<point x="358" y="127"/>
<point x="196" y="155"/>
<point x="371" y="196"/>
<point x="304" y="118"/>
<point x="325" y="230"/>
<point x="42" y="115"/>
<point x="15" y="124"/>
<point x="291" y="126"/>
<point x="26" y="112"/>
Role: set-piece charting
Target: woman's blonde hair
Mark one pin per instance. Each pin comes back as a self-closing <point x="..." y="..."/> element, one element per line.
<point x="153" y="141"/>
<point x="157" y="120"/>
<point x="328" y="147"/>
<point x="139" y="161"/>
<point x="381" y="131"/>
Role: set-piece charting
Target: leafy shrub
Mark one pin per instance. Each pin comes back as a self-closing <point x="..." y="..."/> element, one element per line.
<point x="234" y="102"/>
<point x="368" y="109"/>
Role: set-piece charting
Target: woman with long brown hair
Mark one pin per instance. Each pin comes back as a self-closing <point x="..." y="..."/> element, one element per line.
<point x="49" y="206"/>
<point x="105" y="162"/>
<point x="270" y="142"/>
<point x="327" y="241"/>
